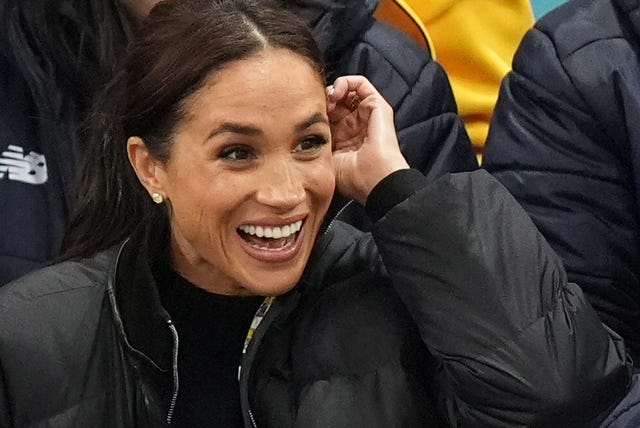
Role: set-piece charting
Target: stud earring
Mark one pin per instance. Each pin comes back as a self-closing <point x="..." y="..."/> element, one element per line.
<point x="157" y="198"/>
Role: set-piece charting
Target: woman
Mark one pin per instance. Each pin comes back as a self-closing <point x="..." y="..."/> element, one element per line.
<point x="214" y="158"/>
<point x="55" y="54"/>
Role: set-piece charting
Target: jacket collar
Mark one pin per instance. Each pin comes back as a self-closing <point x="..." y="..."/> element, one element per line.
<point x="139" y="314"/>
<point x="142" y="319"/>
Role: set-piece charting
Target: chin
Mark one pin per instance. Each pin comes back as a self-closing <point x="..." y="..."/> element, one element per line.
<point x="271" y="283"/>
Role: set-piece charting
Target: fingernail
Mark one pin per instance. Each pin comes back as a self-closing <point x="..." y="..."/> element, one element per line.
<point x="330" y="90"/>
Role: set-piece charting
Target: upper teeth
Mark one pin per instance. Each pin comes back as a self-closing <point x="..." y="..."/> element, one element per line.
<point x="275" y="232"/>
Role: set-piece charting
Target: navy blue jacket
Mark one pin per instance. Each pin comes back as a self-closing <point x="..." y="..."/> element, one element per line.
<point x="565" y="140"/>
<point x="35" y="180"/>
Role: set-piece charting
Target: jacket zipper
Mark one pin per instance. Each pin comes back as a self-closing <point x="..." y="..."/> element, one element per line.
<point x="174" y="397"/>
<point x="172" y="329"/>
<point x="253" y="421"/>
<point x="259" y="316"/>
<point x="335" y="217"/>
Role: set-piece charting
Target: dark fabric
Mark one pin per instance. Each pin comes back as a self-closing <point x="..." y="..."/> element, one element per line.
<point x="565" y="141"/>
<point x="212" y="329"/>
<point x="31" y="191"/>
<point x="336" y="24"/>
<point x="627" y="413"/>
<point x="454" y="303"/>
<point x="385" y="195"/>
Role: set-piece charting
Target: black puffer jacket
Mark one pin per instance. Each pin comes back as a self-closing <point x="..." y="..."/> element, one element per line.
<point x="87" y="344"/>
<point x="565" y="140"/>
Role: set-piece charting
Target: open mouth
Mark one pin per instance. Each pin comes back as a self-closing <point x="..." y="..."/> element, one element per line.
<point x="270" y="238"/>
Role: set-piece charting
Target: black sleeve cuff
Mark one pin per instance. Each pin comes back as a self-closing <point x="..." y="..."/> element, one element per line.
<point x="391" y="190"/>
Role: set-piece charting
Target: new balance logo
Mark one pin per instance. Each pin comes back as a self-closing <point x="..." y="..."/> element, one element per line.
<point x="30" y="169"/>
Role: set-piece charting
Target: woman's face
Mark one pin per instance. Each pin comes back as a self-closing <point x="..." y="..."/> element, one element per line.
<point x="250" y="176"/>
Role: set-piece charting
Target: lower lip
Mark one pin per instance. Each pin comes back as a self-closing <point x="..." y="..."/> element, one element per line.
<point x="275" y="256"/>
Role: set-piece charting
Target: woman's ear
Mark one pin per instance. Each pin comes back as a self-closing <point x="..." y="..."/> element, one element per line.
<point x="149" y="171"/>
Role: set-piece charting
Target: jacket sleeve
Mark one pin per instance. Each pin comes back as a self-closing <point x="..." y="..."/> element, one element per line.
<point x="561" y="141"/>
<point x="519" y="345"/>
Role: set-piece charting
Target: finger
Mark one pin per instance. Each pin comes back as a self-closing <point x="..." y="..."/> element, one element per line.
<point x="340" y="108"/>
<point x="12" y="162"/>
<point x="357" y="84"/>
<point x="13" y="155"/>
<point x="337" y="113"/>
<point x="354" y="126"/>
<point x="347" y="94"/>
<point x="345" y="129"/>
<point x="340" y="99"/>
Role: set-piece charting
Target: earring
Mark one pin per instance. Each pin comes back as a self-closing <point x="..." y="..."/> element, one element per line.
<point x="157" y="198"/>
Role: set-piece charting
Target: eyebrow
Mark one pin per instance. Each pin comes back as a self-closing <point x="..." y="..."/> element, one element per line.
<point x="238" y="128"/>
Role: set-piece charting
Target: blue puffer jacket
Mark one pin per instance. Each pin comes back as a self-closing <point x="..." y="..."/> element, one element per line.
<point x="430" y="132"/>
<point x="565" y="140"/>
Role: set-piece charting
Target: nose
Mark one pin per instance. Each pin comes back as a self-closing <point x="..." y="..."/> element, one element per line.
<point x="281" y="185"/>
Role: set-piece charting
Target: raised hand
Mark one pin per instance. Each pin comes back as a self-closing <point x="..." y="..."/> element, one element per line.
<point x="365" y="146"/>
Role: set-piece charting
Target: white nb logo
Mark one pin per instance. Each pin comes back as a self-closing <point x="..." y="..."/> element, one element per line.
<point x="30" y="169"/>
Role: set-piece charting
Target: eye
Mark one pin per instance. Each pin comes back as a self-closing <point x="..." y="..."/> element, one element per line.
<point x="310" y="144"/>
<point x="237" y="153"/>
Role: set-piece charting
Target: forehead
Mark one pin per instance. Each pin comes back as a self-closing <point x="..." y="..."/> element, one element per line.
<point x="272" y="82"/>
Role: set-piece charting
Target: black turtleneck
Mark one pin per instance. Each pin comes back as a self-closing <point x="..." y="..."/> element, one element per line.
<point x="211" y="331"/>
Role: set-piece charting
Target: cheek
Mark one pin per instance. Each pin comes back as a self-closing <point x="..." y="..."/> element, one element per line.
<point x="322" y="180"/>
<point x="200" y="202"/>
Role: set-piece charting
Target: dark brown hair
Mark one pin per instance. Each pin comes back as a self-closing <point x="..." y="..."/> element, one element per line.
<point x="179" y="45"/>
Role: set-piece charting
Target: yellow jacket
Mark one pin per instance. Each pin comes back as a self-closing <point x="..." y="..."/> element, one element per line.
<point x="474" y="40"/>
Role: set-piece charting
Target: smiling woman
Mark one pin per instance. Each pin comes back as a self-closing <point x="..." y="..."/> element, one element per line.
<point x="254" y="160"/>
<point x="204" y="285"/>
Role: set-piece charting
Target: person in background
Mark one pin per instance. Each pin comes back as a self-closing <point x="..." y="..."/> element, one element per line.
<point x="213" y="157"/>
<point x="474" y="41"/>
<point x="56" y="54"/>
<point x="565" y="141"/>
<point x="53" y="56"/>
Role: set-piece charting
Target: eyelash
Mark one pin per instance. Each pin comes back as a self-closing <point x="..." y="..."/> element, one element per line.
<point x="317" y="140"/>
<point x="228" y="151"/>
<point x="231" y="152"/>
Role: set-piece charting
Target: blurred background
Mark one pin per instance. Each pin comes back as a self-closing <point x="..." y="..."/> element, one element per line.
<point x="540" y="7"/>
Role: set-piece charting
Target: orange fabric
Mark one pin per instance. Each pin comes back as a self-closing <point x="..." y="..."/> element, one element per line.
<point x="402" y="17"/>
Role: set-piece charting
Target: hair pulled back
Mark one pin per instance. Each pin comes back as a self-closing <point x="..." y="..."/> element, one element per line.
<point x="179" y="45"/>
